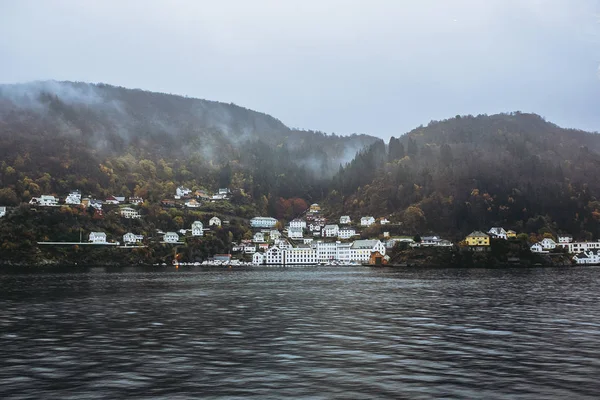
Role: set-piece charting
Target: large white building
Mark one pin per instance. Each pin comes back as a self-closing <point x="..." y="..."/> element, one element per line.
<point x="321" y="252"/>
<point x="580" y="247"/>
<point x="97" y="237"/>
<point x="130" y="213"/>
<point x="263" y="222"/>
<point x="361" y="249"/>
<point x="197" y="228"/>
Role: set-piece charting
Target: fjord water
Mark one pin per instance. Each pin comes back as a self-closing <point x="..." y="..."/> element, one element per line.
<point x="300" y="332"/>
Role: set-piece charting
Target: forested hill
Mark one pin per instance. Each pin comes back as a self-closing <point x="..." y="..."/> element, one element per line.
<point x="453" y="176"/>
<point x="102" y="139"/>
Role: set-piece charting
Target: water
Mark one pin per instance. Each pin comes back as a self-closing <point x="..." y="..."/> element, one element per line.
<point x="300" y="332"/>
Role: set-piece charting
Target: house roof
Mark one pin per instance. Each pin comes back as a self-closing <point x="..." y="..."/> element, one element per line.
<point x="331" y="227"/>
<point x="477" y="234"/>
<point x="364" y="244"/>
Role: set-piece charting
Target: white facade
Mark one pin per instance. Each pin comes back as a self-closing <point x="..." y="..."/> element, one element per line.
<point x="498" y="233"/>
<point x="2" y="211"/>
<point x="299" y="256"/>
<point x="384" y="221"/>
<point x="197" y="228"/>
<point x="171" y="237"/>
<point x="298" y="223"/>
<point x="97" y="237"/>
<point x="346" y="233"/>
<point x="258" y="258"/>
<point x="548" y="244"/>
<point x="259" y="237"/>
<point x="367" y="221"/>
<point x="580" y="247"/>
<point x="214" y="221"/>
<point x="274" y="256"/>
<point x="44" y="200"/>
<point x="249" y="248"/>
<point x="136" y="200"/>
<point x="326" y="251"/>
<point x="73" y="198"/>
<point x="536" y="248"/>
<point x="562" y="239"/>
<point x="330" y="231"/>
<point x="315" y="227"/>
<point x="97" y="204"/>
<point x="263" y="222"/>
<point x="295" y="233"/>
<point x="361" y="249"/>
<point x="130" y="238"/>
<point x="128" y="212"/>
<point x="345" y="220"/>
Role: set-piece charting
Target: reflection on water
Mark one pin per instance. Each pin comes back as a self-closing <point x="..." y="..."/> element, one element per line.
<point x="300" y="332"/>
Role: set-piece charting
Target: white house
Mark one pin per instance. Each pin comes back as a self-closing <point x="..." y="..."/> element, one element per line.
<point x="197" y="228"/>
<point x="128" y="212"/>
<point x="298" y="223"/>
<point x="345" y="220"/>
<point x="44" y="200"/>
<point x="259" y="237"/>
<point x="498" y="233"/>
<point x="384" y="221"/>
<point x="223" y="191"/>
<point x="130" y="238"/>
<point x="548" y="244"/>
<point x="258" y="258"/>
<point x="536" y="248"/>
<point x="295" y="233"/>
<point x="283" y="244"/>
<point x="73" y="198"/>
<point x="2" y="211"/>
<point x="392" y="242"/>
<point x="97" y="237"/>
<point x="562" y="239"/>
<point x="214" y="221"/>
<point x="367" y="221"/>
<point x="263" y="222"/>
<point x="274" y="234"/>
<point x="182" y="191"/>
<point x="192" y="203"/>
<point x="171" y="237"/>
<point x="346" y="233"/>
<point x="274" y="256"/>
<point x="330" y="231"/>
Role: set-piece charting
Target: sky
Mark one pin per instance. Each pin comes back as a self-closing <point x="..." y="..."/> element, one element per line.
<point x="381" y="67"/>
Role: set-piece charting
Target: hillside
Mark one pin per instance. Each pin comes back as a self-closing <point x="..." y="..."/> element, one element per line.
<point x="453" y="176"/>
<point x="55" y="136"/>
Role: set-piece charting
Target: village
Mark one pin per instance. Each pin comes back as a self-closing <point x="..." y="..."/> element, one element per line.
<point x="308" y="239"/>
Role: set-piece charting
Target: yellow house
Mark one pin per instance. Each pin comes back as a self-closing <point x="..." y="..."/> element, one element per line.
<point x="478" y="238"/>
<point x="511" y="234"/>
<point x="315" y="208"/>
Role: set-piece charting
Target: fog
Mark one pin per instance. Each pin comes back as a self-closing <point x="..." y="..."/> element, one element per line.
<point x="377" y="67"/>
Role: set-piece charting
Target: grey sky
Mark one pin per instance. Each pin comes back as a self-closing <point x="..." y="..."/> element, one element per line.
<point x="378" y="67"/>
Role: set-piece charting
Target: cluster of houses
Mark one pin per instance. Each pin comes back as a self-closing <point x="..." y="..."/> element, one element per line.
<point x="74" y="198"/>
<point x="192" y="199"/>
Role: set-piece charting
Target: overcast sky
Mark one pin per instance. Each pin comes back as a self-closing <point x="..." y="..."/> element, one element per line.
<point x="377" y="67"/>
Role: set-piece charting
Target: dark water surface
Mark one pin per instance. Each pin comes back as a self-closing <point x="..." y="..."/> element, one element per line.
<point x="300" y="332"/>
